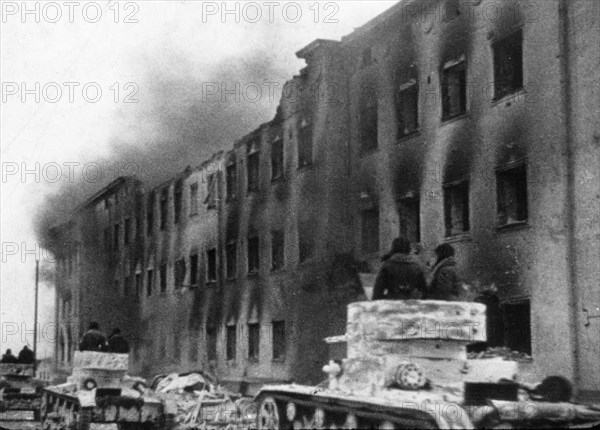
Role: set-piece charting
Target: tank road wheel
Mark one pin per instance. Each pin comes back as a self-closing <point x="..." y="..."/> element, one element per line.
<point x="351" y="422"/>
<point x="268" y="415"/>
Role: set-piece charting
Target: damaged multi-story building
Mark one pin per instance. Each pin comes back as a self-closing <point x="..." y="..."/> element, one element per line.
<point x="474" y="123"/>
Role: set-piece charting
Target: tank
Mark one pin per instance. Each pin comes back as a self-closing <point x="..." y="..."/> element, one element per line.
<point x="100" y="394"/>
<point x="20" y="396"/>
<point x="406" y="366"/>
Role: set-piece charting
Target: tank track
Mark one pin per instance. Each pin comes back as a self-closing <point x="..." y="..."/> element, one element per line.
<point x="64" y="412"/>
<point x="279" y="410"/>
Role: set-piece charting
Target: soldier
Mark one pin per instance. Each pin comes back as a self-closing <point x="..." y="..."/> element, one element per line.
<point x="400" y="276"/>
<point x="26" y="356"/>
<point x="444" y="282"/>
<point x="9" y="357"/>
<point x="117" y="343"/>
<point x="93" y="340"/>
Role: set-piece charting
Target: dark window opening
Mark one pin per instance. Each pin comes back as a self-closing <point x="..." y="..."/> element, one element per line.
<point x="277" y="250"/>
<point x="454" y="91"/>
<point x="253" y="254"/>
<point x="305" y="144"/>
<point x="253" y="171"/>
<point x="508" y="65"/>
<point x="127" y="232"/>
<point x="231" y="344"/>
<point x="164" y="210"/>
<point x="193" y="199"/>
<point x="408" y="109"/>
<point x="517" y="323"/>
<point x="211" y="191"/>
<point x="278" y="340"/>
<point x="277" y="159"/>
<point x="368" y="116"/>
<point x="138" y="227"/>
<point x="211" y="343"/>
<point x="231" y="257"/>
<point x="306" y="241"/>
<point x="366" y="58"/>
<point x="163" y="278"/>
<point x="370" y="231"/>
<point x="512" y="195"/>
<point x="180" y="270"/>
<point x="178" y="203"/>
<point x="149" y="282"/>
<point x="253" y="341"/>
<point x="107" y="239"/>
<point x="409" y="211"/>
<point x="456" y="208"/>
<point x="211" y="265"/>
<point x="116" y="236"/>
<point x="150" y="215"/>
<point x="127" y="286"/>
<point x="231" y="181"/>
<point x="138" y="284"/>
<point x="194" y="269"/>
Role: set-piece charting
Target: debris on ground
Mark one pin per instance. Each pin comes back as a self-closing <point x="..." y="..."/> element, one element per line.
<point x="500" y="352"/>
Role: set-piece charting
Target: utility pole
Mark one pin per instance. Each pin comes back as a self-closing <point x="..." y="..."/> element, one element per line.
<point x="35" y="316"/>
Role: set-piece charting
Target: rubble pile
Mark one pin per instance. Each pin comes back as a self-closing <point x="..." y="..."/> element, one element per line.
<point x="500" y="352"/>
<point x="195" y="402"/>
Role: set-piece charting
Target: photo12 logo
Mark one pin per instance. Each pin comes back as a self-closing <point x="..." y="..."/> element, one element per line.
<point x="69" y="11"/>
<point x="253" y="12"/>
<point x="70" y="92"/>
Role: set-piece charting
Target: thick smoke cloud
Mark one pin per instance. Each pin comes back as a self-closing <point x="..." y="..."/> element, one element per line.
<point x="176" y="123"/>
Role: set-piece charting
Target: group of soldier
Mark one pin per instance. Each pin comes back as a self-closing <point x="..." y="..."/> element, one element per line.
<point x="94" y="340"/>
<point x="26" y="356"/>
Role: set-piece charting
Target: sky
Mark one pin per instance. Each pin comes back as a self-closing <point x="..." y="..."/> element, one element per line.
<point x="95" y="90"/>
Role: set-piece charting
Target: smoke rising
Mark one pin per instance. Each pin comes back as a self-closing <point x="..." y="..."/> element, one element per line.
<point x="175" y="124"/>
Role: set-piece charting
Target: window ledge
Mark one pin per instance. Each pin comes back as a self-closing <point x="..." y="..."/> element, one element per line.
<point x="211" y="283"/>
<point x="278" y="360"/>
<point x="253" y="360"/>
<point x="509" y="97"/>
<point x="458" y="238"/>
<point x="454" y="118"/>
<point x="409" y="136"/>
<point x="253" y="274"/>
<point x="365" y="152"/>
<point x="305" y="167"/>
<point x="278" y="180"/>
<point x="513" y="226"/>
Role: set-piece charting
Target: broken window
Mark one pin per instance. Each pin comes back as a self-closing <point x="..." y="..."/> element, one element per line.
<point x="194" y="199"/>
<point x="253" y="171"/>
<point x="150" y="214"/>
<point x="231" y="343"/>
<point x="456" y="208"/>
<point x="409" y="218"/>
<point x="180" y="272"/>
<point x="211" y="265"/>
<point x="231" y="181"/>
<point x="277" y="250"/>
<point x="277" y="159"/>
<point x="512" y="195"/>
<point x="253" y="341"/>
<point x="127" y="232"/>
<point x="508" y="65"/>
<point x="164" y="209"/>
<point x="194" y="269"/>
<point x="231" y="256"/>
<point x="370" y="231"/>
<point x="127" y="285"/>
<point x="306" y="240"/>
<point x="163" y="278"/>
<point x="178" y="201"/>
<point x="253" y="254"/>
<point x="517" y="323"/>
<point x="305" y="143"/>
<point x="278" y="341"/>
<point x="211" y="191"/>
<point x="368" y="114"/>
<point x="138" y="284"/>
<point x="116" y="236"/>
<point x="408" y="108"/>
<point x="149" y="282"/>
<point x="211" y="343"/>
<point x="454" y="89"/>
